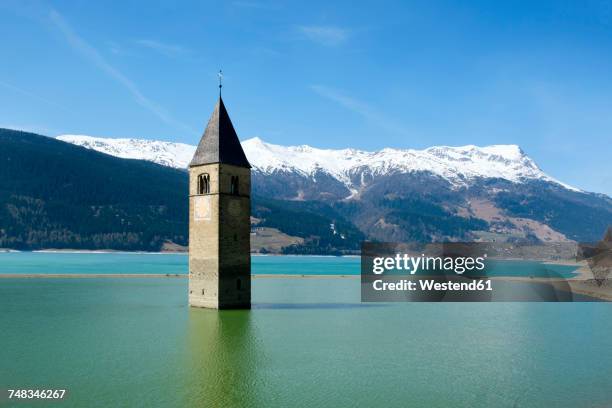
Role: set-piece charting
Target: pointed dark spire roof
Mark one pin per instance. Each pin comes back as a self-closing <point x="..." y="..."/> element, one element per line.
<point x="220" y="143"/>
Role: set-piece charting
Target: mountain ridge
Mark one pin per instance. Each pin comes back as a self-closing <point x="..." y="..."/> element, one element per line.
<point x="54" y="194"/>
<point x="461" y="166"/>
<point x="440" y="193"/>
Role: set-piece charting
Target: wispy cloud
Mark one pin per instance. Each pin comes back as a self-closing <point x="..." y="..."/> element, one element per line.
<point x="330" y="36"/>
<point x="90" y="53"/>
<point x="117" y="49"/>
<point x="169" y="50"/>
<point x="363" y="109"/>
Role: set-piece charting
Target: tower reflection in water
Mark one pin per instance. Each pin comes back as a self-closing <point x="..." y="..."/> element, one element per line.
<point x="223" y="354"/>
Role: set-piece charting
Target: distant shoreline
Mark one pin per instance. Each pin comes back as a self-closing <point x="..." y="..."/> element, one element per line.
<point x="112" y="251"/>
<point x="103" y="251"/>
<point x="568" y="262"/>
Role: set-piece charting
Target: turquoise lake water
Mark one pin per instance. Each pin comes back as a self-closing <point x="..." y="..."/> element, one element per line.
<point x="137" y="263"/>
<point x="134" y="342"/>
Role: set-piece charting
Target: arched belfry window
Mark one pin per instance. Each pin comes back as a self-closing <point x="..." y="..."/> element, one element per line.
<point x="204" y="183"/>
<point x="234" y="185"/>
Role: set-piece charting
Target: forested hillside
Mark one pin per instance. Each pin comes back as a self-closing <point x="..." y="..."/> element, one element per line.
<point x="57" y="195"/>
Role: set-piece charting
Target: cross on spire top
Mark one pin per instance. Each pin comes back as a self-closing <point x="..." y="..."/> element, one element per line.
<point x="220" y="75"/>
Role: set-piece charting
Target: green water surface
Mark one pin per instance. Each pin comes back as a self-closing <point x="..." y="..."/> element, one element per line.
<point x="134" y="342"/>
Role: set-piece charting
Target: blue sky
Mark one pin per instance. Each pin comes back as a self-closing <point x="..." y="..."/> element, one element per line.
<point x="329" y="74"/>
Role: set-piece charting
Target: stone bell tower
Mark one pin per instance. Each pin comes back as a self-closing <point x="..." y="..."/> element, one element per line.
<point x="219" y="218"/>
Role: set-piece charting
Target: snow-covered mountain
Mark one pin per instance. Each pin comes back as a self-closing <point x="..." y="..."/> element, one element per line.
<point x="460" y="166"/>
<point x="304" y="200"/>
<point x="329" y="200"/>
<point x="171" y="154"/>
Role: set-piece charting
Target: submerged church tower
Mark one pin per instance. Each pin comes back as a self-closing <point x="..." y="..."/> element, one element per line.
<point x="219" y="218"/>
